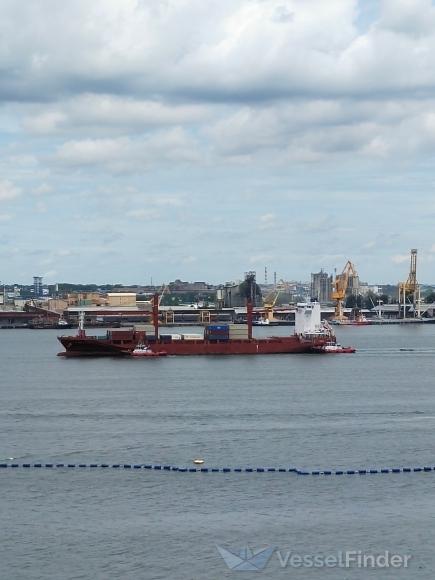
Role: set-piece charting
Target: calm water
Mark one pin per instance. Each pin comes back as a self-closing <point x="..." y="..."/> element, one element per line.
<point x="372" y="409"/>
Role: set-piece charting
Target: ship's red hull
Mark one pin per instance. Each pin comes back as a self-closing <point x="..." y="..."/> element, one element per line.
<point x="92" y="346"/>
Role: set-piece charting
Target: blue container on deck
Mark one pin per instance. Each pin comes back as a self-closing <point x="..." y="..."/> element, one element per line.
<point x="166" y="338"/>
<point x="217" y="332"/>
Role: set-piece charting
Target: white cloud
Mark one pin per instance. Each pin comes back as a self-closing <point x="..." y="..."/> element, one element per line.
<point x="189" y="260"/>
<point x="143" y="214"/>
<point x="400" y="258"/>
<point x="267" y="221"/>
<point x="261" y="259"/>
<point x="111" y="114"/>
<point x="125" y="154"/>
<point x="206" y="113"/>
<point x="46" y="122"/>
<point x="50" y="275"/>
<point x="8" y="191"/>
<point x="42" y="189"/>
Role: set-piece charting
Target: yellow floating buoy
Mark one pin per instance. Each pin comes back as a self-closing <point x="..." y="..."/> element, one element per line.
<point x="198" y="461"/>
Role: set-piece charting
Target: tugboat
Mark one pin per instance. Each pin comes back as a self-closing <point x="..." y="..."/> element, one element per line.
<point x="142" y="350"/>
<point x="335" y="348"/>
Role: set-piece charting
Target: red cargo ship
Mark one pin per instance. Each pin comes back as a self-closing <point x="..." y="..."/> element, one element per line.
<point x="310" y="334"/>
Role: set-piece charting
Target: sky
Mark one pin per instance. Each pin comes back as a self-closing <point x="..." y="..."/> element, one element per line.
<point x="198" y="140"/>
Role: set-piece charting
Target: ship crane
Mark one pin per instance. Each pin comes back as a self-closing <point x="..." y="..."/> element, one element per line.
<point x="164" y="290"/>
<point x="410" y="287"/>
<point x="339" y="288"/>
<point x="269" y="303"/>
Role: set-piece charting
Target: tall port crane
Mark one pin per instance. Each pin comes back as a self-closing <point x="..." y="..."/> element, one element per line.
<point x="269" y="303"/>
<point x="410" y="288"/>
<point x="339" y="288"/>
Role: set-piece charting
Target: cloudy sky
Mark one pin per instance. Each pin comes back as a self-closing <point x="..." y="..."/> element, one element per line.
<point x="199" y="139"/>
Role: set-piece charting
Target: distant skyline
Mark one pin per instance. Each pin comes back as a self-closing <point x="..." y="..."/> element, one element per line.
<point x="198" y="140"/>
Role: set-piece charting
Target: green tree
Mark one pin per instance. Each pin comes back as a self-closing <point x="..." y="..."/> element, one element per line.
<point x="353" y="301"/>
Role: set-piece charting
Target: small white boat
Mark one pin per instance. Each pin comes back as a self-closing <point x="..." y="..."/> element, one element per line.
<point x="261" y="322"/>
<point x="143" y="350"/>
<point x="334" y="348"/>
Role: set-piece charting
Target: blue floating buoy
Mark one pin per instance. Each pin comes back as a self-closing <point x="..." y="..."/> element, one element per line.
<point x="201" y="469"/>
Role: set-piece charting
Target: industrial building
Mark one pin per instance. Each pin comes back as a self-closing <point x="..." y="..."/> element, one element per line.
<point x="321" y="287"/>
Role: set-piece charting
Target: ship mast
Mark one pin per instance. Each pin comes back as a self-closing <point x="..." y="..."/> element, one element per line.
<point x="156" y="316"/>
<point x="250" y="293"/>
<point x="82" y="332"/>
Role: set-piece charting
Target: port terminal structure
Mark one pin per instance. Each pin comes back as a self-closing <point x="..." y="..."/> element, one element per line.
<point x="100" y="317"/>
<point x="186" y="315"/>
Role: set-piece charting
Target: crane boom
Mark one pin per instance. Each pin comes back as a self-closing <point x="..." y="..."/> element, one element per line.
<point x="340" y="286"/>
